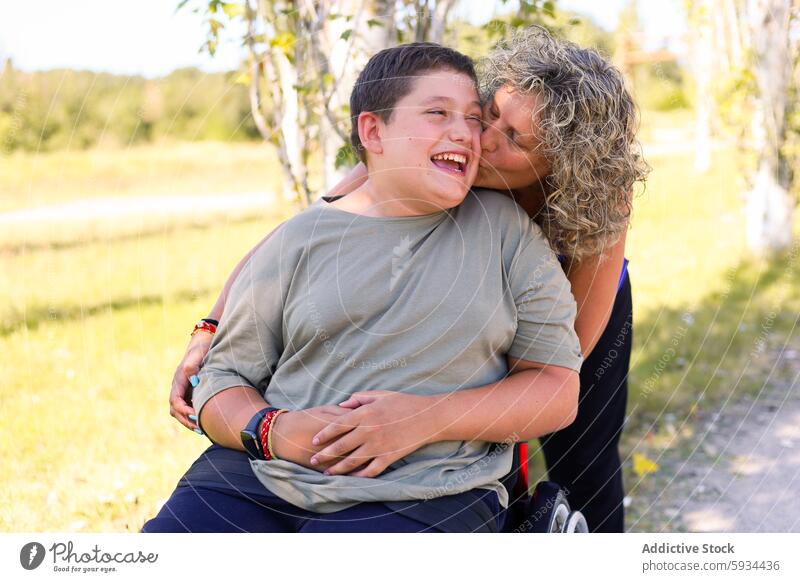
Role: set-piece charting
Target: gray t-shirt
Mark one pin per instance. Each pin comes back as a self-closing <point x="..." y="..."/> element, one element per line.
<point x="335" y="303"/>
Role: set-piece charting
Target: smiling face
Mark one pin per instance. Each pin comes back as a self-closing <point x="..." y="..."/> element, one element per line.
<point x="511" y="151"/>
<point x="427" y="152"/>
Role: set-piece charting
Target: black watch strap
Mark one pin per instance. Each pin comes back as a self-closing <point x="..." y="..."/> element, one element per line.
<point x="251" y="440"/>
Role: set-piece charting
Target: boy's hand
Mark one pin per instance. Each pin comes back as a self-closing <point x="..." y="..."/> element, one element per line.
<point x="384" y="427"/>
<point x="293" y="430"/>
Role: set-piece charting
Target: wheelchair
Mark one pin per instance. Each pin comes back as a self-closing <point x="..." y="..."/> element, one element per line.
<point x="544" y="511"/>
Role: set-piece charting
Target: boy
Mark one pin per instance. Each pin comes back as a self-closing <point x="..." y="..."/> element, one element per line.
<point x="407" y="288"/>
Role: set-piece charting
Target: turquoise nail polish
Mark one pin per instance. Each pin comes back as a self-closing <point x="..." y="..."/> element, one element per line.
<point x="194" y="381"/>
<point x="193" y="417"/>
<point x="198" y="431"/>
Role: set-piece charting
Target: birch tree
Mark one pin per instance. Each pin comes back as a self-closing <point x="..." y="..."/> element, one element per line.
<point x="701" y="47"/>
<point x="752" y="52"/>
<point x="769" y="204"/>
<point x="303" y="57"/>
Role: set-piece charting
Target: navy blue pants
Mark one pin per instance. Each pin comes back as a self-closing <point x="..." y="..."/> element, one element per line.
<point x="221" y="494"/>
<point x="584" y="457"/>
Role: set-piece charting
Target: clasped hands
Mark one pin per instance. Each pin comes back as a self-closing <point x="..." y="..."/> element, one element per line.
<point x="359" y="437"/>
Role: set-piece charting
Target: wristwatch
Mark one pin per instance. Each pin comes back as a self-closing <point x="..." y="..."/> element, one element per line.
<point x="250" y="437"/>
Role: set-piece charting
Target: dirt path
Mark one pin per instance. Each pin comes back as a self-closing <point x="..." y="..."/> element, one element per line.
<point x="108" y="218"/>
<point x="740" y="472"/>
<point x="133" y="206"/>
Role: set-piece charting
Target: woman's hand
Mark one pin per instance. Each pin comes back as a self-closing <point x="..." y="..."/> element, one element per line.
<point x="380" y="428"/>
<point x="293" y="431"/>
<point x="181" y="393"/>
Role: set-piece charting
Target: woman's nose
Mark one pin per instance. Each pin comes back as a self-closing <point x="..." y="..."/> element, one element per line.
<point x="489" y="139"/>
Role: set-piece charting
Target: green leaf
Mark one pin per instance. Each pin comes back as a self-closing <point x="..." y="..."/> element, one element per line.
<point x="495" y="28"/>
<point x="644" y="466"/>
<point x="346" y="34"/>
<point x="233" y="10"/>
<point x="549" y="8"/>
<point x="305" y="88"/>
<point x="215" y="25"/>
<point x="243" y="79"/>
<point x="284" y="41"/>
<point x="374" y="22"/>
<point x="346" y="157"/>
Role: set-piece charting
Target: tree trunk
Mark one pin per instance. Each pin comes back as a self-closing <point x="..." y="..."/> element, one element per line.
<point x="345" y="59"/>
<point x="702" y="48"/>
<point x="305" y="58"/>
<point x="439" y="19"/>
<point x="769" y="205"/>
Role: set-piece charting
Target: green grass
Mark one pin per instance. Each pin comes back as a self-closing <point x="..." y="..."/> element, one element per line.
<point x="91" y="332"/>
<point x="699" y="292"/>
<point x="186" y="168"/>
<point x="88" y="347"/>
<point x="75" y="282"/>
<point x="93" y="448"/>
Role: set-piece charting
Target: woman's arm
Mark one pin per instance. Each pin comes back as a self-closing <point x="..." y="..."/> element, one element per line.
<point x="594" y="283"/>
<point x="180" y="394"/>
<point x="531" y="401"/>
<point x="354" y="179"/>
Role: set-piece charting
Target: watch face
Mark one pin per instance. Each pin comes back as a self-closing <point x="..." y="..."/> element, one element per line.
<point x="251" y="444"/>
<point x="250" y="437"/>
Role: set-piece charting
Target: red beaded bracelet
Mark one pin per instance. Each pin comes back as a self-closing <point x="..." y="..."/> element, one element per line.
<point x="204" y="325"/>
<point x="266" y="433"/>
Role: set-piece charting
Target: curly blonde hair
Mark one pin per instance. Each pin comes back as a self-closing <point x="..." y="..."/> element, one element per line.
<point x="587" y="122"/>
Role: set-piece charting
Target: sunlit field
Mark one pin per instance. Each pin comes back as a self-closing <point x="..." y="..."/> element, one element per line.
<point x="92" y="331"/>
<point x="31" y="180"/>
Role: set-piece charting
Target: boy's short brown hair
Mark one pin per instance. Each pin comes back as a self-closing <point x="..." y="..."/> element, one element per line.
<point x="388" y="77"/>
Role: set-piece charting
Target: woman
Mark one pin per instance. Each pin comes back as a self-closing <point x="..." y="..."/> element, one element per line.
<point x="560" y="137"/>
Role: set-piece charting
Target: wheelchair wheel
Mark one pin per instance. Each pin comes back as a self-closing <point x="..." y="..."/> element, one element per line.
<point x="576" y="523"/>
<point x="560" y="518"/>
<point x="548" y="510"/>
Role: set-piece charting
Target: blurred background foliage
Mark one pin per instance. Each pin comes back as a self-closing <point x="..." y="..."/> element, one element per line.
<point x="45" y="111"/>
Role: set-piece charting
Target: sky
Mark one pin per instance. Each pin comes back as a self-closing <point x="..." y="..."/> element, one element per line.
<point x="148" y="37"/>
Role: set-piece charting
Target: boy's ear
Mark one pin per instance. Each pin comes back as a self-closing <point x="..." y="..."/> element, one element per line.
<point x="369" y="132"/>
